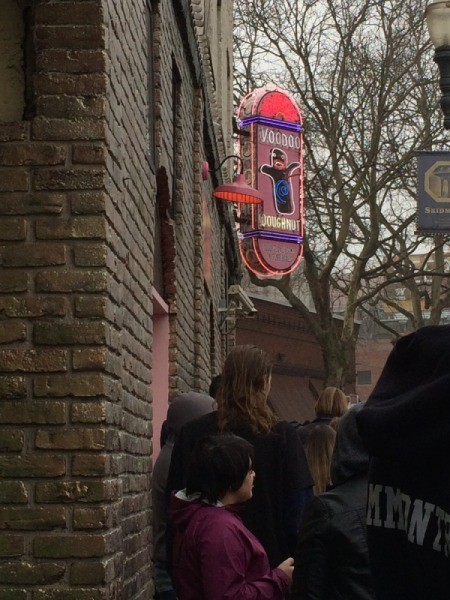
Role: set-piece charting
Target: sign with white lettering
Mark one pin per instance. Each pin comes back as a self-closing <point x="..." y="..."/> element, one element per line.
<point x="433" y="198"/>
<point x="271" y="147"/>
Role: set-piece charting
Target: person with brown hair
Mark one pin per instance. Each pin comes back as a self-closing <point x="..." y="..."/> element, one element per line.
<point x="334" y="423"/>
<point x="332" y="560"/>
<point x="331" y="403"/>
<point x="283" y="486"/>
<point x="319" y="449"/>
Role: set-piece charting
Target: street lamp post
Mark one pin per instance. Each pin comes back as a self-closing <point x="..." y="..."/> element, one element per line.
<point x="437" y="16"/>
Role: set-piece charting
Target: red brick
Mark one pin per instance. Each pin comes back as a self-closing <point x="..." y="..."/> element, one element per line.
<point x="35" y="203"/>
<point x="32" y="465"/>
<point x="33" y="306"/>
<point x="121" y="289"/>
<point x="79" y="593"/>
<point x="71" y="107"/>
<point x="71" y="61"/>
<point x="32" y="412"/>
<point x="13" y="492"/>
<point x="33" y="255"/>
<point x="71" y="281"/>
<point x="86" y="492"/>
<point x="85" y="37"/>
<point x="73" y="385"/>
<point x="16" y="281"/>
<point x="90" y="306"/>
<point x="69" y="179"/>
<point x="88" y="412"/>
<point x="68" y="129"/>
<point x="14" y="132"/>
<point x="90" y="255"/>
<point x="87" y="573"/>
<point x="69" y="546"/>
<point x="27" y="573"/>
<point x="90" y="518"/>
<point x="64" y="492"/>
<point x="13" y="593"/>
<point x="14" y="180"/>
<point x="12" y="387"/>
<point x="89" y="154"/>
<point x="69" y="333"/>
<point x="11" y="440"/>
<point x="22" y="518"/>
<point x="33" y="361"/>
<point x="31" y="154"/>
<point x="89" y="465"/>
<point x="72" y="84"/>
<point x="87" y="203"/>
<point x="371" y="356"/>
<point x="11" y="545"/>
<point x="12" y="331"/>
<point x="76" y="228"/>
<point x="68" y="13"/>
<point x="12" y="229"/>
<point x="88" y="359"/>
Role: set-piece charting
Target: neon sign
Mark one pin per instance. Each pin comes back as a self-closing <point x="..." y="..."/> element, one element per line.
<point x="271" y="147"/>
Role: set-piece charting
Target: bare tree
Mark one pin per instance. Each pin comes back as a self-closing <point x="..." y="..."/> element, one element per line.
<point x="362" y="72"/>
<point x="424" y="292"/>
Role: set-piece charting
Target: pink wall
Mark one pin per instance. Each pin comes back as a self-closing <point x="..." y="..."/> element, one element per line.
<point x="160" y="381"/>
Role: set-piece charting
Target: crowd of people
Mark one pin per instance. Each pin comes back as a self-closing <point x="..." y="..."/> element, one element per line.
<point x="350" y="506"/>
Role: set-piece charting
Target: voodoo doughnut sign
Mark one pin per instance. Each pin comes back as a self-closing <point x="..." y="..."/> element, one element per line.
<point x="271" y="148"/>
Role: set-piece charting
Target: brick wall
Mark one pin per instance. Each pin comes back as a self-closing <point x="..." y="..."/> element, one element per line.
<point x="371" y="355"/>
<point x="130" y="188"/>
<point x="286" y="336"/>
<point x="11" y="73"/>
<point x="63" y="508"/>
<point x="192" y="363"/>
<point x="77" y="218"/>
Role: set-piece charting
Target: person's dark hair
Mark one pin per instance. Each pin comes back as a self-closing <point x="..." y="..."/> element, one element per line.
<point x="218" y="463"/>
<point x="244" y="389"/>
<point x="214" y="385"/>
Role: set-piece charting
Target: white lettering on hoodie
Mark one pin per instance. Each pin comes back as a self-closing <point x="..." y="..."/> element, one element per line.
<point x="390" y="508"/>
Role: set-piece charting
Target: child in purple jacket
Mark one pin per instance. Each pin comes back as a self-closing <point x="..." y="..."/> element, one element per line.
<point x="215" y="557"/>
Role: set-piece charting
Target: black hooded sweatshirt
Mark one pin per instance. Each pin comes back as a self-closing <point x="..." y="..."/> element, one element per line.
<point x="331" y="559"/>
<point x="405" y="425"/>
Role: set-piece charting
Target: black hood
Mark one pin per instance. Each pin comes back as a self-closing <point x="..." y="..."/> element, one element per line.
<point x="350" y="458"/>
<point x="409" y="410"/>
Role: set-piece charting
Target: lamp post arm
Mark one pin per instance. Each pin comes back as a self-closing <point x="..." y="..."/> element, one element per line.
<point x="442" y="58"/>
<point x="241" y="162"/>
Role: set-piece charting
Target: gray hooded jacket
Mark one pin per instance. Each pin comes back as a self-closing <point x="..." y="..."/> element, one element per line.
<point x="182" y="409"/>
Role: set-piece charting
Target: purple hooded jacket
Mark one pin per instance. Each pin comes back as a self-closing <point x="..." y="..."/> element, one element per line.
<point x="215" y="557"/>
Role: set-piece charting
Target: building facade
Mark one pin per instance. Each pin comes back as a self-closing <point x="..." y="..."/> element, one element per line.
<point x="298" y="374"/>
<point x="298" y="371"/>
<point x="114" y="260"/>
